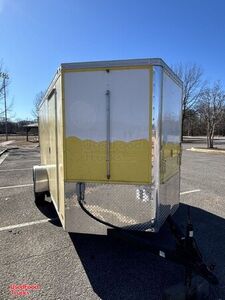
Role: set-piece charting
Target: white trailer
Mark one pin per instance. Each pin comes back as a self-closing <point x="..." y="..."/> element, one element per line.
<point x="110" y="139"/>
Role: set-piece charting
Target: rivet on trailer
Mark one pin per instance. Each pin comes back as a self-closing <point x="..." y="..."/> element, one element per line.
<point x="110" y="142"/>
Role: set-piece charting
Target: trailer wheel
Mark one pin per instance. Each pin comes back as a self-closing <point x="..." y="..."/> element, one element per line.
<point x="40" y="198"/>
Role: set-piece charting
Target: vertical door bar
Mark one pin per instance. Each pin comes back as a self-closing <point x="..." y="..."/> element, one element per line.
<point x="108" y="133"/>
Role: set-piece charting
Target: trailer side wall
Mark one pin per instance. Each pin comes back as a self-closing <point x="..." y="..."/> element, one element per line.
<point x="170" y="145"/>
<point x="51" y="143"/>
<point x="60" y="150"/>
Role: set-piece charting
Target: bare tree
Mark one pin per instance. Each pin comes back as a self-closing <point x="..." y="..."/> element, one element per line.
<point x="211" y="109"/>
<point x="191" y="75"/>
<point x="220" y="127"/>
<point x="37" y="102"/>
<point x="191" y="123"/>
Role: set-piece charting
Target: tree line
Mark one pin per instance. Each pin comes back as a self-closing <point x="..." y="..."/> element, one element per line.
<point x="15" y="127"/>
<point x="6" y="109"/>
<point x="203" y="104"/>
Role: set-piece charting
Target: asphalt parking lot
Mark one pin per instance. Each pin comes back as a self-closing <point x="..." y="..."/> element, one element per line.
<point x="72" y="266"/>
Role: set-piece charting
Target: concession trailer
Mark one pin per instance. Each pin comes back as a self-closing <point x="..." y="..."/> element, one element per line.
<point x="110" y="143"/>
<point x="110" y="139"/>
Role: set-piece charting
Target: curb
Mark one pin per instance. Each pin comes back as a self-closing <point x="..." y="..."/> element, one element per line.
<point x="206" y="150"/>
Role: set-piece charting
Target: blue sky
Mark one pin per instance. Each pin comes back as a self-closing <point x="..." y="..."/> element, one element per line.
<point x="37" y="35"/>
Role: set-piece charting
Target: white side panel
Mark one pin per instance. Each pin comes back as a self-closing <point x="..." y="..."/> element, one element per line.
<point x="44" y="132"/>
<point x="171" y="128"/>
<point x="171" y="111"/>
<point x="51" y="142"/>
<point x="169" y="189"/>
<point x="59" y="120"/>
<point x="52" y="165"/>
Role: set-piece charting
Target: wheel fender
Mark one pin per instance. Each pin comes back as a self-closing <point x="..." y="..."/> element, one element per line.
<point x="40" y="179"/>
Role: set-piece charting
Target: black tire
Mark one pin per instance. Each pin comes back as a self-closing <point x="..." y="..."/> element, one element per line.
<point x="40" y="198"/>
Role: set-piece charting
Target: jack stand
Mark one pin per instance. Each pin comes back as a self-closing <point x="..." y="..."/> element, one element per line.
<point x="194" y="288"/>
<point x="199" y="290"/>
<point x="185" y="253"/>
<point x="188" y="253"/>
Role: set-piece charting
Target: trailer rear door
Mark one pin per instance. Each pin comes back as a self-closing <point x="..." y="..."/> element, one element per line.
<point x="107" y="120"/>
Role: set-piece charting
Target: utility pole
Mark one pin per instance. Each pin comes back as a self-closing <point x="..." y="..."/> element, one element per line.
<point x="5" y="76"/>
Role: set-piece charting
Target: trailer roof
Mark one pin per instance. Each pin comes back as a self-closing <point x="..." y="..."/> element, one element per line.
<point x="121" y="63"/>
<point x="112" y="63"/>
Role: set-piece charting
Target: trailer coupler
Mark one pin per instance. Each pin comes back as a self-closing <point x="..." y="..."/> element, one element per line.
<point x="185" y="253"/>
<point x="188" y="254"/>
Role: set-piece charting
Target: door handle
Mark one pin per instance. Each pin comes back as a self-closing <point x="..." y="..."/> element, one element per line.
<point x="108" y="133"/>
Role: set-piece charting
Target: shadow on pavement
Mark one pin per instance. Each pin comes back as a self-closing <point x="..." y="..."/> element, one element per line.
<point x="118" y="270"/>
<point x="49" y="211"/>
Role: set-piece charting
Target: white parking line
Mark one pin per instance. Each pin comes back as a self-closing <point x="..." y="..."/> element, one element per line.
<point x="3" y="144"/>
<point x="189" y="192"/>
<point x="10" y="170"/>
<point x="3" y="157"/>
<point x="15" y="186"/>
<point x="26" y="224"/>
<point x="23" y="160"/>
